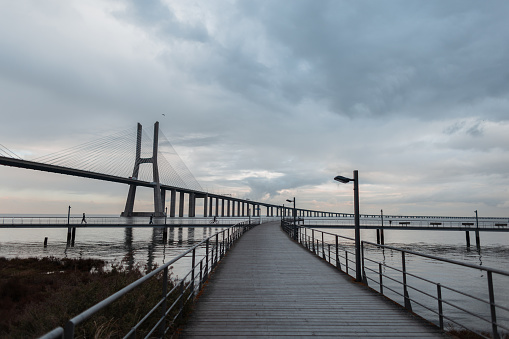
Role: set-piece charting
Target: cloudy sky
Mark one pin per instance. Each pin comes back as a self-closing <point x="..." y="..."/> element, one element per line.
<point x="266" y="100"/>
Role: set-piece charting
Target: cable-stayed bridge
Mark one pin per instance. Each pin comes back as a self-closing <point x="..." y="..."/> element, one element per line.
<point x="132" y="157"/>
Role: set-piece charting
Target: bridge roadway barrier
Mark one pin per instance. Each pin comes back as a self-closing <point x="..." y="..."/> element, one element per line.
<point x="270" y="286"/>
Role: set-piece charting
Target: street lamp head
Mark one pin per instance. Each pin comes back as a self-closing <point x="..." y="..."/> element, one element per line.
<point x="289" y="200"/>
<point x="342" y="179"/>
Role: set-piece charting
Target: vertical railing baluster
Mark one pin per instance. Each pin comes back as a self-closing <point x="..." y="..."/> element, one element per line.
<point x="163" y="306"/>
<point x="206" y="273"/>
<point x="338" y="264"/>
<point x="408" y="305"/>
<point x="181" y="302"/>
<point x="380" y="277"/>
<point x="323" y="247"/>
<point x="492" y="306"/>
<point x="440" y="308"/>
<point x="364" y="278"/>
<point x="222" y="245"/>
<point x="346" y="261"/>
<point x="313" y="240"/>
<point x="306" y="240"/>
<point x="192" y="269"/>
<point x="201" y="273"/>
<point x="328" y="259"/>
<point x="217" y="247"/>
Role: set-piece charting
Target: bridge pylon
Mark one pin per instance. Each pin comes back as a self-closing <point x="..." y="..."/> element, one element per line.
<point x="158" y="193"/>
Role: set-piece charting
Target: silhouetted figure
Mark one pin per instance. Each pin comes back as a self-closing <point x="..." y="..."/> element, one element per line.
<point x="83" y="220"/>
<point x="151" y="220"/>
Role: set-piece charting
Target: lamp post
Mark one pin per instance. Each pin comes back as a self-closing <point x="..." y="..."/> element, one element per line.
<point x="294" y="219"/>
<point x="355" y="180"/>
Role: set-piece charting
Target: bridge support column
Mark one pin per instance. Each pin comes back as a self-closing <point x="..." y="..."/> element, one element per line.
<point x="181" y="204"/>
<point x="222" y="207"/>
<point x="163" y="199"/>
<point x="467" y="233"/>
<point x="228" y="207"/>
<point x="192" y="205"/>
<point x="173" y="197"/>
<point x="205" y="207"/>
<point x="217" y="207"/>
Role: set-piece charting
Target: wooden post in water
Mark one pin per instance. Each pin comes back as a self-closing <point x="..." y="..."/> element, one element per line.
<point x="382" y="241"/>
<point x="73" y="236"/>
<point x="46" y="242"/>
<point x="477" y="237"/>
<point x="467" y="233"/>
<point x="68" y="236"/>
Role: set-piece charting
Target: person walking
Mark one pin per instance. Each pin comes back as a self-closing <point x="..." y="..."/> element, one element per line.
<point x="151" y="221"/>
<point x="83" y="220"/>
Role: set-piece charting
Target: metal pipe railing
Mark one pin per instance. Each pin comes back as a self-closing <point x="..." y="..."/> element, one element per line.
<point x="379" y="274"/>
<point x="183" y="289"/>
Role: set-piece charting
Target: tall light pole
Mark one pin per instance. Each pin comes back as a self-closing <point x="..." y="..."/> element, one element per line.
<point x="294" y="219"/>
<point x="345" y="180"/>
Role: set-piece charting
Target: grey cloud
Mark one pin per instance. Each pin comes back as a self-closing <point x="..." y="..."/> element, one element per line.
<point x="154" y="14"/>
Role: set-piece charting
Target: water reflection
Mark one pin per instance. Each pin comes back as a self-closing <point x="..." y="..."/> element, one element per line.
<point x="190" y="235"/>
<point x="128" y="245"/>
<point x="171" y="238"/>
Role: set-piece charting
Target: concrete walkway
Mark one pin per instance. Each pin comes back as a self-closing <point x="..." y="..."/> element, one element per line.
<point x="269" y="286"/>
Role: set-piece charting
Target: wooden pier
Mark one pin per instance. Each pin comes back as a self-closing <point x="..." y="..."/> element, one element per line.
<point x="269" y="286"/>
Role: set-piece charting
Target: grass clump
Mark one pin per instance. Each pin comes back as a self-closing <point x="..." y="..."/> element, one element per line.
<point x="38" y="295"/>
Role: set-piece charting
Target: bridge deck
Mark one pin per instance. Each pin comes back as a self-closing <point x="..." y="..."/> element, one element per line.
<point x="270" y="286"/>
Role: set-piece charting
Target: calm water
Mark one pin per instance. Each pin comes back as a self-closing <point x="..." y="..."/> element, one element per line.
<point x="145" y="247"/>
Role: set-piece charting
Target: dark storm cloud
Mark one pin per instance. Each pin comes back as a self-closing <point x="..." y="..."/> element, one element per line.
<point x="378" y="58"/>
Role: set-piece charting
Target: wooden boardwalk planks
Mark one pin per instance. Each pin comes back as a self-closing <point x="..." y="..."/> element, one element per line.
<point x="269" y="286"/>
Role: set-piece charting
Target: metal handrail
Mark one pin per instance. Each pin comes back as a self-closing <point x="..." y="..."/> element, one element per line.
<point x="305" y="240"/>
<point x="111" y="221"/>
<point x="211" y="256"/>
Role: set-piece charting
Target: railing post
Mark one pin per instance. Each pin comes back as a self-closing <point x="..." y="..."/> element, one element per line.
<point x="163" y="306"/>
<point x="364" y="278"/>
<point x="408" y="305"/>
<point x="492" y="306"/>
<point x="69" y="330"/>
<point x="313" y="240"/>
<point x="323" y="247"/>
<point x="346" y="261"/>
<point x="338" y="264"/>
<point x="181" y="302"/>
<point x="380" y="275"/>
<point x="206" y="258"/>
<point x="193" y="264"/>
<point x="201" y="273"/>
<point x="440" y="309"/>
<point x="217" y="246"/>
<point x="328" y="259"/>
<point x="223" y="245"/>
